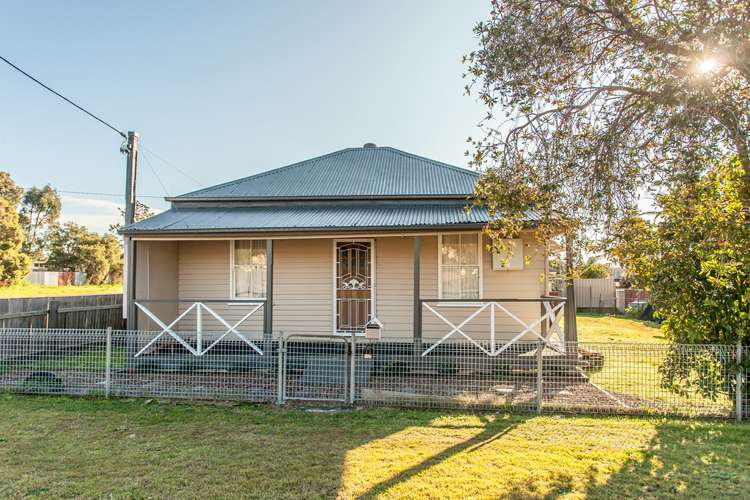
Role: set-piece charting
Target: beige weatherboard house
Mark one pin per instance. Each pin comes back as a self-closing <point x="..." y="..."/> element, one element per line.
<point x="324" y="247"/>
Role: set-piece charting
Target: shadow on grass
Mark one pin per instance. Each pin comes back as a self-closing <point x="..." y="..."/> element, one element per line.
<point x="131" y="448"/>
<point x="492" y="431"/>
<point x="685" y="459"/>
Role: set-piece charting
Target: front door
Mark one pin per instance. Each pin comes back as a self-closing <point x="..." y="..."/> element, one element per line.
<point x="353" y="282"/>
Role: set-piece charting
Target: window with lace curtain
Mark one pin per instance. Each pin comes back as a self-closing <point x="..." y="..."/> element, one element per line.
<point x="249" y="269"/>
<point x="460" y="265"/>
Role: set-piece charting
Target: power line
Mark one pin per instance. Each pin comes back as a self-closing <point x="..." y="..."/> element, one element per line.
<point x="90" y="193"/>
<point x="153" y="170"/>
<point x="58" y="94"/>
<point x="152" y="153"/>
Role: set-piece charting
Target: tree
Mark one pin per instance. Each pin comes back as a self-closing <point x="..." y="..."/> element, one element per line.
<point x="588" y="102"/>
<point x="142" y="211"/>
<point x="14" y="265"/>
<point x="113" y="252"/>
<point x="592" y="269"/>
<point x="695" y="260"/>
<point x="74" y="248"/>
<point x="9" y="190"/>
<point x="40" y="210"/>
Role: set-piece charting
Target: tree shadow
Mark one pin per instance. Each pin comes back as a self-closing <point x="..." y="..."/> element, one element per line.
<point x="493" y="429"/>
<point x="686" y="459"/>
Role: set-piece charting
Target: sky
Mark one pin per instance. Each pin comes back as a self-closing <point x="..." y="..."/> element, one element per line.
<point x="223" y="90"/>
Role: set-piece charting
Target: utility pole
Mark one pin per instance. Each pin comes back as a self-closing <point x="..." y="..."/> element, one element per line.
<point x="131" y="171"/>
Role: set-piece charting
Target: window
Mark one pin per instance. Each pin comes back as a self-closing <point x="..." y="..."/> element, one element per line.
<point x="249" y="269"/>
<point x="460" y="261"/>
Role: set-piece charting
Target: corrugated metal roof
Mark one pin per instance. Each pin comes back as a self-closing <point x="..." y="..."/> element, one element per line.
<point x="309" y="217"/>
<point x="355" y="172"/>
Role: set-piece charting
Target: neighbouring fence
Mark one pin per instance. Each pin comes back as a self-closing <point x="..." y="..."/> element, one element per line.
<point x="618" y="378"/>
<point x="75" y="311"/>
<point x="56" y="278"/>
<point x="595" y="294"/>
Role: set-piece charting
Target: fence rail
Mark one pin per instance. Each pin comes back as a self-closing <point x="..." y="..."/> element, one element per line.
<point x="83" y="311"/>
<point x="617" y="378"/>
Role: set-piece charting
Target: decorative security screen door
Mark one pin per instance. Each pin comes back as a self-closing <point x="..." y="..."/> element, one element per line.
<point x="353" y="285"/>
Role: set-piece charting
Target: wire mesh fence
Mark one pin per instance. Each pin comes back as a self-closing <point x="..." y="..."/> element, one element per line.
<point x="617" y="378"/>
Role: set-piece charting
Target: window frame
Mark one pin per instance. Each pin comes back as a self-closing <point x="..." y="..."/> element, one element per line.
<point x="232" y="286"/>
<point x="480" y="264"/>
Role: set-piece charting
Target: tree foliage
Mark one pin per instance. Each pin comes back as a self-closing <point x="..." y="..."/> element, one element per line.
<point x="40" y="211"/>
<point x="592" y="269"/>
<point x="142" y="211"/>
<point x="72" y="247"/>
<point x="591" y="102"/>
<point x="695" y="260"/>
<point x="9" y="190"/>
<point x="14" y="264"/>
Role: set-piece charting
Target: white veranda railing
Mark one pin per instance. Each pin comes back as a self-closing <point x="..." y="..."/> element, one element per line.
<point x="550" y="318"/>
<point x="199" y="308"/>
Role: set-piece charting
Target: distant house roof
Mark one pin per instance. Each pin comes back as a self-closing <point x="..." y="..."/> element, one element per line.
<point x="352" y="189"/>
<point x="366" y="172"/>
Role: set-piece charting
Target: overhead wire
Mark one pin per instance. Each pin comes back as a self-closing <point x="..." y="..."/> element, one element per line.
<point x="58" y="94"/>
<point x="93" y="193"/>
<point x="153" y="170"/>
<point x="178" y="169"/>
<point x="112" y="127"/>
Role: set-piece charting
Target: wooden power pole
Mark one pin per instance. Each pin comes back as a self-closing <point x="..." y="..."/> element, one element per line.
<point x="131" y="171"/>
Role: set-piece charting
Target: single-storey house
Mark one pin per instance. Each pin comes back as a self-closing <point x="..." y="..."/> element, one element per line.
<point x="365" y="235"/>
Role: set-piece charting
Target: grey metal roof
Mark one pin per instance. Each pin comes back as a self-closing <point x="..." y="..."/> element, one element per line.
<point x="312" y="217"/>
<point x="367" y="172"/>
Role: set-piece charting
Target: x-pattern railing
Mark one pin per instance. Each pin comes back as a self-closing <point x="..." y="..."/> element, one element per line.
<point x="198" y="307"/>
<point x="552" y="315"/>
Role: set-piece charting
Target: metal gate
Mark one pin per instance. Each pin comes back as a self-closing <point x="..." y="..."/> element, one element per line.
<point x="315" y="368"/>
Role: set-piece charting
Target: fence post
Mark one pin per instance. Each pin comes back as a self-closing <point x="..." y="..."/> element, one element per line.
<point x="738" y="384"/>
<point x="108" y="364"/>
<point x="280" y="366"/>
<point x="539" y="363"/>
<point x="52" y="314"/>
<point x="352" y="370"/>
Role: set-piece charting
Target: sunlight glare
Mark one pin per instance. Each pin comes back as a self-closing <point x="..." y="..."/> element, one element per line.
<point x="707" y="65"/>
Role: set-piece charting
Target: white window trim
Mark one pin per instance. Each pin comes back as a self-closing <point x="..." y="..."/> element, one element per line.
<point x="440" y="271"/>
<point x="231" y="272"/>
<point x="373" y="292"/>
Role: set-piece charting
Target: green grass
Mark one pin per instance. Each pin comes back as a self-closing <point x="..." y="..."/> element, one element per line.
<point x="64" y="447"/>
<point x="614" y="328"/>
<point x="29" y="290"/>
<point x="636" y="371"/>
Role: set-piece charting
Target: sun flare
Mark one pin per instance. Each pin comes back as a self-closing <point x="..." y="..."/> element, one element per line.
<point x="707" y="65"/>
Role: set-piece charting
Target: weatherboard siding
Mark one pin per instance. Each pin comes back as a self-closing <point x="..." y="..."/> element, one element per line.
<point x="303" y="286"/>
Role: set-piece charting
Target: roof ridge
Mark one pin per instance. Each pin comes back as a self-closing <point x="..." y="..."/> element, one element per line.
<point x="437" y="162"/>
<point x="265" y="173"/>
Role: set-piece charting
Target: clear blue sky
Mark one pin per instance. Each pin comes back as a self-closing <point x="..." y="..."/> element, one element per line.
<point x="226" y="89"/>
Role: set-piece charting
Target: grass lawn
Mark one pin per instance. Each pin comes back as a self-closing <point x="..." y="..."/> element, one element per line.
<point x="636" y="371"/>
<point x="594" y="327"/>
<point x="28" y="290"/>
<point x="63" y="447"/>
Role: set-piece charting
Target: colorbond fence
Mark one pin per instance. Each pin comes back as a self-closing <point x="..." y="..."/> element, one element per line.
<point x="616" y="378"/>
